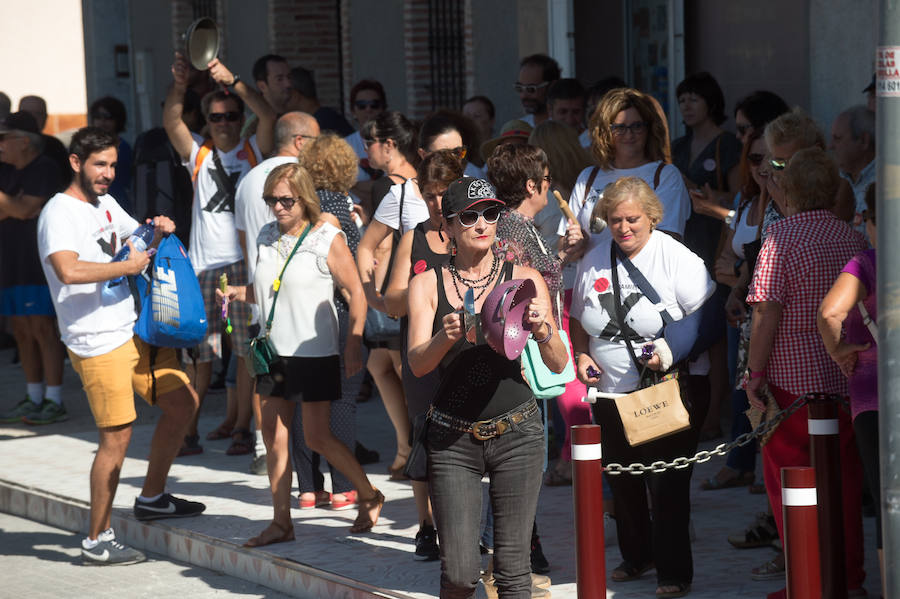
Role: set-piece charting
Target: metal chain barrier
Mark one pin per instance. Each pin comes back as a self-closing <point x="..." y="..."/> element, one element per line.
<point x="722" y="449"/>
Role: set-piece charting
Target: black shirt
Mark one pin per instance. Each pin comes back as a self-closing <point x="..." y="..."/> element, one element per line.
<point x="19" y="260"/>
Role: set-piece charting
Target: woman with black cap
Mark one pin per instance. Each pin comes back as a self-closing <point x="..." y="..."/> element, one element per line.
<point x="483" y="418"/>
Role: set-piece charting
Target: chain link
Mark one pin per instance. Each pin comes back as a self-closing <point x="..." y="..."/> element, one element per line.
<point x="722" y="449"/>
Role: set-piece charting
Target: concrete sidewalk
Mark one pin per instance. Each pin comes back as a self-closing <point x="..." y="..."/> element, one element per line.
<point x="44" y="476"/>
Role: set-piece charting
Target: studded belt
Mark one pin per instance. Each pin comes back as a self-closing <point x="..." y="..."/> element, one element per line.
<point x="485" y="429"/>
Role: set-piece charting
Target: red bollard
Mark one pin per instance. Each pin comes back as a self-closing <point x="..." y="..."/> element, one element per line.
<point x="801" y="532"/>
<point x="587" y="490"/>
<point x="825" y="453"/>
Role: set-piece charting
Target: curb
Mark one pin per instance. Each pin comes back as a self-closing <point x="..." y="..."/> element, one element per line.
<point x="254" y="565"/>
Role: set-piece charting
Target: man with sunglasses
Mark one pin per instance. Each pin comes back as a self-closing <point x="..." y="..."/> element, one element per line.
<point x="536" y="73"/>
<point x="217" y="166"/>
<point x="367" y="102"/>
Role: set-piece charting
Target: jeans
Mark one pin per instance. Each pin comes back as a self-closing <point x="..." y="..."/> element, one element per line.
<point x="457" y="462"/>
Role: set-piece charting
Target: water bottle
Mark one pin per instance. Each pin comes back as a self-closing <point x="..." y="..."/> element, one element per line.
<point x="140" y="239"/>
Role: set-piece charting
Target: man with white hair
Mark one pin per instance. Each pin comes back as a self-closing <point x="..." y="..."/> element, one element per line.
<point x="853" y="145"/>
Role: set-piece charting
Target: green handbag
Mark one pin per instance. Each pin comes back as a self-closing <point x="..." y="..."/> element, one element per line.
<point x="261" y="355"/>
<point x="545" y="383"/>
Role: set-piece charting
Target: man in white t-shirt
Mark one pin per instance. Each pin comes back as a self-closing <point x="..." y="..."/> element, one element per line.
<point x="217" y="166"/>
<point x="292" y="131"/>
<point x="536" y="73"/>
<point x="79" y="232"/>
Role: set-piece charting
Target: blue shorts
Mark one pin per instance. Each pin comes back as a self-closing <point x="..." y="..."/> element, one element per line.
<point x="26" y="300"/>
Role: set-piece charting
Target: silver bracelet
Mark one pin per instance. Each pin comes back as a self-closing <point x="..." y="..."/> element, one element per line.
<point x="549" y="334"/>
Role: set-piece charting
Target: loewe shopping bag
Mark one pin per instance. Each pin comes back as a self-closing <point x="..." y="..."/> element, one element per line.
<point x="653" y="412"/>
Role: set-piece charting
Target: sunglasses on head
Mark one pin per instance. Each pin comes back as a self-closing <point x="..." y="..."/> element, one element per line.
<point x="530" y="88"/>
<point x="777" y="164"/>
<point x="287" y="202"/>
<point x="755" y="159"/>
<point x="468" y="218"/>
<point x="620" y="129"/>
<point x="217" y="117"/>
<point x="363" y="104"/>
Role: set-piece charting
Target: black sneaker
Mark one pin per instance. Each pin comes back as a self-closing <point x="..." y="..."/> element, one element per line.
<point x="426" y="544"/>
<point x="111" y="553"/>
<point x="539" y="563"/>
<point x="167" y="506"/>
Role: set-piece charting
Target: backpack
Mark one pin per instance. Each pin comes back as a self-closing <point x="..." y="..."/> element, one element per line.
<point x="172" y="312"/>
<point x="160" y="185"/>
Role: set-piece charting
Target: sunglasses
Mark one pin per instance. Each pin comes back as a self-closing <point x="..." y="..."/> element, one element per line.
<point x="368" y="142"/>
<point x="287" y="202"/>
<point x="217" y="117"/>
<point x="460" y="152"/>
<point x="742" y="129"/>
<point x="755" y="159"/>
<point x="363" y="104"/>
<point x="102" y="116"/>
<point x="777" y="165"/>
<point x="619" y="129"/>
<point x="530" y="88"/>
<point x="468" y="218"/>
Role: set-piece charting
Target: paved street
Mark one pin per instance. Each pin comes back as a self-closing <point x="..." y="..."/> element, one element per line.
<point x="44" y="473"/>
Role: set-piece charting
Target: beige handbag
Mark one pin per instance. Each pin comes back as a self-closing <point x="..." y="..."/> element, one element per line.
<point x="653" y="412"/>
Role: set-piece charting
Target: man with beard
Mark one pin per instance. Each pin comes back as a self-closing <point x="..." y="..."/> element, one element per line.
<point x="536" y="73"/>
<point x="79" y="232"/>
<point x="27" y="180"/>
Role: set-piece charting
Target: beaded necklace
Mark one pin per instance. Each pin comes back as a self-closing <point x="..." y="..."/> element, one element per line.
<point x="482" y="283"/>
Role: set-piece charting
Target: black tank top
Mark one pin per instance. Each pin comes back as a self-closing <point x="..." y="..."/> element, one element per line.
<point x="477" y="383"/>
<point x="419" y="390"/>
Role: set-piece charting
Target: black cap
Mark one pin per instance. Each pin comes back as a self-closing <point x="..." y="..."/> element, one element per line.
<point x="19" y="121"/>
<point x="464" y="193"/>
<point x="871" y="85"/>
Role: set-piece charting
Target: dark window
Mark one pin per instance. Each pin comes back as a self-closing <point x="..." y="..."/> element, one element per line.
<point x="445" y="46"/>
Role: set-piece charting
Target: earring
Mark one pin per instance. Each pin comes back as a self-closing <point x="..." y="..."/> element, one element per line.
<point x="452" y="247"/>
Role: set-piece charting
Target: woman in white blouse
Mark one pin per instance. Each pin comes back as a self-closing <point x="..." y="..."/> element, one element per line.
<point x="603" y="336"/>
<point x="302" y="256"/>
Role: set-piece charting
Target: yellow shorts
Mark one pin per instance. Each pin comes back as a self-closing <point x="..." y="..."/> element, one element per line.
<point x="111" y="380"/>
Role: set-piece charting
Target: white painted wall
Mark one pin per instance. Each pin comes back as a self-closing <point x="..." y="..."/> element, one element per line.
<point x="42" y="44"/>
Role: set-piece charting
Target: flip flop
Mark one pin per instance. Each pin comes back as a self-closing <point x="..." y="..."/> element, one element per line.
<point x="627" y="571"/>
<point x="683" y="589"/>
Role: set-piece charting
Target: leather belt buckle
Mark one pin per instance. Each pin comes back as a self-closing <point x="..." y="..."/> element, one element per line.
<point x="476" y="430"/>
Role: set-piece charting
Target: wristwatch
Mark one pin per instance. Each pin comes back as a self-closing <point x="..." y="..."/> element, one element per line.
<point x="238" y="78"/>
<point x="729" y="218"/>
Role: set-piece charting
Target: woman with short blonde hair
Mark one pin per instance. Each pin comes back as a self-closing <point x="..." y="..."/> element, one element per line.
<point x="297" y="178"/>
<point x="810" y="181"/>
<point x="634" y="189"/>
<point x="331" y="162"/>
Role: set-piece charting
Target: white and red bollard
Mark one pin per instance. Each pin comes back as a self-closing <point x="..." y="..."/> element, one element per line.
<point x="801" y="532"/>
<point x="587" y="487"/>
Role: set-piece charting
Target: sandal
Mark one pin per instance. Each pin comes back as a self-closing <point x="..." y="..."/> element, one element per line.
<point x="396" y="472"/>
<point x="627" y="571"/>
<point x="771" y="570"/>
<point x="222" y="432"/>
<point x="739" y="479"/>
<point x="761" y="534"/>
<point x="681" y="589"/>
<point x="242" y="442"/>
<point x="287" y="534"/>
<point x="364" y="521"/>
<point x="191" y="446"/>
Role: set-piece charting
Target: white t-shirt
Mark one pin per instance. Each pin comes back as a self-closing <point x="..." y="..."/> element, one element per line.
<point x="250" y="211"/>
<point x="585" y="138"/>
<point x="214" y="241"/>
<point x="678" y="276"/>
<point x="305" y="322"/>
<point x="414" y="209"/>
<point x="671" y="192"/>
<point x="90" y="323"/>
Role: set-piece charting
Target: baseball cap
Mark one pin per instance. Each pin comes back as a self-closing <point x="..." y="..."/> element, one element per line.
<point x="19" y="121"/>
<point x="464" y="193"/>
<point x="871" y="85"/>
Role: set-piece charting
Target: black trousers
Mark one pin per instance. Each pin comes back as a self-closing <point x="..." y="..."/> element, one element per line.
<point x="656" y="532"/>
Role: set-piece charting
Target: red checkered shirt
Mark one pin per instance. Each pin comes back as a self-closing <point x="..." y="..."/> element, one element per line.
<point x="799" y="262"/>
